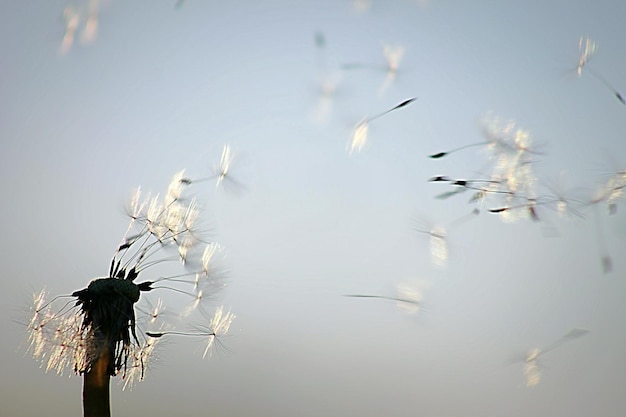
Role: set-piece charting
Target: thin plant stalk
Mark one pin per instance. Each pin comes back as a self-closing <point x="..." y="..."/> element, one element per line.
<point x="96" y="387"/>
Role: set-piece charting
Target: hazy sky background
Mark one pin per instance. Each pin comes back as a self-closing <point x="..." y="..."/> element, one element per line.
<point x="162" y="88"/>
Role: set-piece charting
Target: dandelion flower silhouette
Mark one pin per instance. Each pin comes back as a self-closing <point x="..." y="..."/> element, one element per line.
<point x="98" y="324"/>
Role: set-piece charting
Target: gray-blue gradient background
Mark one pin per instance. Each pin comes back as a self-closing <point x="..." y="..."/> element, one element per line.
<point x="162" y="89"/>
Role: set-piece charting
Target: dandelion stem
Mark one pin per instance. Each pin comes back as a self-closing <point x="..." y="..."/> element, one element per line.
<point x="96" y="381"/>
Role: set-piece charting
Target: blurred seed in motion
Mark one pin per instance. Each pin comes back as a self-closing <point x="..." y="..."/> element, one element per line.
<point x="532" y="365"/>
<point x="221" y="173"/>
<point x="393" y="55"/>
<point x="73" y="17"/>
<point x="408" y="298"/>
<point x="439" y="237"/>
<point x="218" y="326"/>
<point x="586" y="50"/>
<point x="359" y="134"/>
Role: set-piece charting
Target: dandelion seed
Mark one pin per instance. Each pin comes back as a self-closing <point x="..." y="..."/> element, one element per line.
<point x="408" y="298"/>
<point x="156" y="311"/>
<point x="221" y="172"/>
<point x="532" y="371"/>
<point x="90" y="29"/>
<point x="224" y="165"/>
<point x="327" y="90"/>
<point x="194" y="304"/>
<point x="359" y="137"/>
<point x="140" y="358"/>
<point x="438" y="237"/>
<point x="532" y="366"/>
<point x="72" y="20"/>
<point x="359" y="134"/>
<point x="481" y="186"/>
<point x="438" y="245"/>
<point x="217" y="327"/>
<point x="586" y="50"/>
<point x="399" y="299"/>
<point x="175" y="187"/>
<point x="207" y="256"/>
<point x="611" y="191"/>
<point x="393" y="55"/>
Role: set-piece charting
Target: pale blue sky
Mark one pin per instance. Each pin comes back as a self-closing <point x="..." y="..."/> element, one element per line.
<point x="161" y="89"/>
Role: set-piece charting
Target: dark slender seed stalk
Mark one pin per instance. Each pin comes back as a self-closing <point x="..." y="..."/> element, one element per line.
<point x="403" y="300"/>
<point x="603" y="80"/>
<point x="402" y="104"/>
<point x="442" y="154"/>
